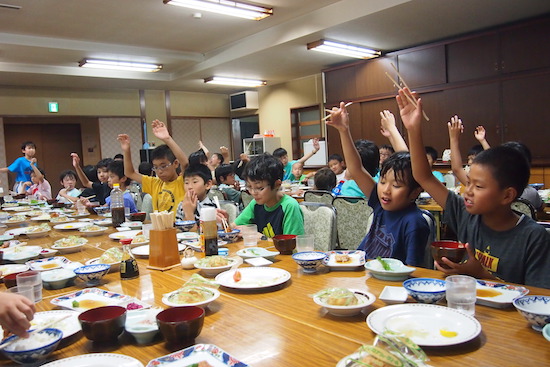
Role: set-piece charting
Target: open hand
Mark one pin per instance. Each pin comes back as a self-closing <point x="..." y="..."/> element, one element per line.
<point x="339" y="118"/>
<point x="316" y="145"/>
<point x="471" y="267"/>
<point x="410" y="114"/>
<point x="16" y="312"/>
<point x="124" y="141"/>
<point x="455" y="127"/>
<point x="479" y="133"/>
<point x="160" y="130"/>
<point x="76" y="159"/>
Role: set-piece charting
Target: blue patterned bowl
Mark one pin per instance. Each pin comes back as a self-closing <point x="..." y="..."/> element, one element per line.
<point x="535" y="309"/>
<point x="309" y="260"/>
<point x="36" y="354"/>
<point x="425" y="290"/>
<point x="92" y="274"/>
<point x="185" y="225"/>
<point x="229" y="236"/>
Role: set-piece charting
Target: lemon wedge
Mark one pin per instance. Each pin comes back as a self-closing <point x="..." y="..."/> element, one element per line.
<point x="447" y="333"/>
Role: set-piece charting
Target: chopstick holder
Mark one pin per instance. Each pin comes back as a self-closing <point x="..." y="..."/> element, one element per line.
<point x="163" y="244"/>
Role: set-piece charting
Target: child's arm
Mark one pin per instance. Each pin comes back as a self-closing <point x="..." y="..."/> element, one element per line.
<point x="389" y="130"/>
<point x="161" y="131"/>
<point x="412" y="119"/>
<point x="339" y="119"/>
<point x="307" y="156"/>
<point x="479" y="134"/>
<point x="63" y="193"/>
<point x="81" y="175"/>
<point x="204" y="149"/>
<point x="129" y="170"/>
<point x="470" y="267"/>
<point x="225" y="154"/>
<point x="37" y="173"/>
<point x="456" y="128"/>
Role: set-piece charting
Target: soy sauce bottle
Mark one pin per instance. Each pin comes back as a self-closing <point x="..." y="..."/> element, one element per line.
<point x="128" y="265"/>
<point x="209" y="229"/>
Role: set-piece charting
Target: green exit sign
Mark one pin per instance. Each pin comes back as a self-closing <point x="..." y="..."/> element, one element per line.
<point x="53" y="107"/>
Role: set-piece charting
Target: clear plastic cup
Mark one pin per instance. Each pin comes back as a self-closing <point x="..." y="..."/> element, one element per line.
<point x="305" y="242"/>
<point x="32" y="279"/>
<point x="461" y="293"/>
<point x="26" y="291"/>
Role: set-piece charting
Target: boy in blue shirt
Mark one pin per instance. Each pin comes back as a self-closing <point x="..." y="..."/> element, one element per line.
<point x="282" y="155"/>
<point x="398" y="229"/>
<point x="500" y="244"/>
<point x="271" y="210"/>
<point x="22" y="167"/>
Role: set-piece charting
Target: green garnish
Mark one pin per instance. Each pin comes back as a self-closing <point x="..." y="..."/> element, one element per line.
<point x="384" y="263"/>
<point x="76" y="304"/>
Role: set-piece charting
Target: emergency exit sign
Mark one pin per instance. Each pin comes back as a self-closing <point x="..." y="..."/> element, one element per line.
<point x="53" y="107"/>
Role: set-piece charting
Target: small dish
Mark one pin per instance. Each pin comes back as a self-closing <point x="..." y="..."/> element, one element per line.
<point x="498" y="295"/>
<point x="364" y="299"/>
<point x="392" y="295"/>
<point x="47" y="252"/>
<point x="209" y="295"/>
<point x="345" y="260"/>
<point x="212" y="271"/>
<point x="426" y="290"/>
<point x="132" y="225"/>
<point x="142" y="324"/>
<point x="92" y="230"/>
<point x="183" y="236"/>
<point x="21" y="254"/>
<point x="58" y="278"/>
<point x="398" y="272"/>
<point x="251" y="252"/>
<point x="49" y="263"/>
<point x="258" y="261"/>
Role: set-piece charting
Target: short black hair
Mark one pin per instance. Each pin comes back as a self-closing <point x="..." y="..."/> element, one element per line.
<point x="161" y="152"/>
<point x="104" y="163"/>
<point x="336" y="157"/>
<point x="222" y="171"/>
<point x="475" y="150"/>
<point x="146" y="168"/>
<point x="91" y="172"/>
<point x="387" y="147"/>
<point x="220" y="157"/>
<point x="370" y="155"/>
<point x="508" y="166"/>
<point x="200" y="170"/>
<point x="28" y="144"/>
<point x="117" y="168"/>
<point x="118" y="156"/>
<point x="432" y="152"/>
<point x="522" y="148"/>
<point x="264" y="167"/>
<point x="198" y="157"/>
<point x="400" y="163"/>
<point x="280" y="153"/>
<point x="39" y="170"/>
<point x="67" y="173"/>
<point x="324" y="179"/>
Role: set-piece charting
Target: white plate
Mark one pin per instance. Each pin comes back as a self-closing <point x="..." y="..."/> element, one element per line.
<point x="134" y="224"/>
<point x="251" y="252"/>
<point x="399" y="270"/>
<point x="12" y="268"/>
<point x="92" y="233"/>
<point x="498" y="295"/>
<point x="21" y="254"/>
<point x="106" y="298"/>
<point x="77" y="215"/>
<point x="16" y="231"/>
<point x="357" y="259"/>
<point x="126" y="234"/>
<point x="195" y="244"/>
<point x="71" y="226"/>
<point x="69" y="326"/>
<point x="203" y="304"/>
<point x="254" y="278"/>
<point x="187" y="236"/>
<point x="391" y="295"/>
<point x="43" y="217"/>
<point x="104" y="222"/>
<point x="191" y="356"/>
<point x="48" y="263"/>
<point x="424" y="323"/>
<point x="258" y="261"/>
<point x="144" y="250"/>
<point x="96" y="359"/>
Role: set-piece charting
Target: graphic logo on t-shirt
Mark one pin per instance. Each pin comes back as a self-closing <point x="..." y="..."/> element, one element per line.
<point x="487" y="261"/>
<point x="268" y="231"/>
<point x="381" y="243"/>
<point x="166" y="200"/>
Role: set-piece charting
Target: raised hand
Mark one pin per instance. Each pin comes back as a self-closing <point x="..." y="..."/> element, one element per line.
<point x="479" y="133"/>
<point x="387" y="122"/>
<point x="76" y="159"/>
<point x="410" y="114"/>
<point x="160" y="130"/>
<point x="33" y="160"/>
<point x="316" y="145"/>
<point x="339" y="118"/>
<point x="455" y="128"/>
<point x="124" y="141"/>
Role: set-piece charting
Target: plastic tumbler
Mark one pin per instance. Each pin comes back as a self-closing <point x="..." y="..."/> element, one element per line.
<point x="26" y="291"/>
<point x="33" y="279"/>
<point x="461" y="293"/>
<point x="305" y="242"/>
<point x="250" y="235"/>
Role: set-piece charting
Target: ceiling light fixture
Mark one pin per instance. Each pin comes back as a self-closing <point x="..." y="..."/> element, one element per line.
<point x="119" y="65"/>
<point x="225" y="7"/>
<point x="234" y="81"/>
<point x="343" y="49"/>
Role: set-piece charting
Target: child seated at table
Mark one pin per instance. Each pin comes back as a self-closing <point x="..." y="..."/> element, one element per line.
<point x="39" y="187"/>
<point x="225" y="176"/>
<point x="282" y="155"/>
<point x="324" y="179"/>
<point x="370" y="156"/>
<point x="115" y="170"/>
<point x="298" y="175"/>
<point x="398" y="229"/>
<point x="197" y="180"/>
<point x="500" y="244"/>
<point x="101" y="188"/>
<point x="69" y="193"/>
<point x="338" y="166"/>
<point x="431" y="155"/>
<point x="166" y="189"/>
<point x="271" y="210"/>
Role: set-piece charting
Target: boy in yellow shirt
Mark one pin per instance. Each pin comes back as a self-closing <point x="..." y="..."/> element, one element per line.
<point x="167" y="189"/>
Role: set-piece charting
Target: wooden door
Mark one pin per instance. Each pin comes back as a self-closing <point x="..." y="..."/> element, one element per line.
<point x="54" y="144"/>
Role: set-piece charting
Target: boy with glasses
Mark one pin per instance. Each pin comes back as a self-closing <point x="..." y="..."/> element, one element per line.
<point x="271" y="210"/>
<point x="167" y="189"/>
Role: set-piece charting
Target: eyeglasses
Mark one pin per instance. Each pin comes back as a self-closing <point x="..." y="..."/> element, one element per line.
<point x="160" y="168"/>
<point x="256" y="190"/>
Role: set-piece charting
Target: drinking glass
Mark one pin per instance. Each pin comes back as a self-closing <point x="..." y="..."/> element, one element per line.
<point x="461" y="293"/>
<point x="31" y="278"/>
<point x="26" y="291"/>
<point x="250" y="235"/>
<point x="305" y="242"/>
<point x="146" y="228"/>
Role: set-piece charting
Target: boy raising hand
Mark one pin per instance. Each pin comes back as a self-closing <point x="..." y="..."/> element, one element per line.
<point x="501" y="244"/>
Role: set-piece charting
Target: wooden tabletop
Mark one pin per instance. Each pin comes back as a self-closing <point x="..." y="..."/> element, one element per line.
<point x="284" y="327"/>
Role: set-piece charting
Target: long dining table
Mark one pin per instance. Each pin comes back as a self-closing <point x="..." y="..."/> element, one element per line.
<point x="282" y="326"/>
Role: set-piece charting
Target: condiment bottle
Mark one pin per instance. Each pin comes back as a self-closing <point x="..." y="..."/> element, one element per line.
<point x="128" y="265"/>
<point x="117" y="205"/>
<point x="209" y="231"/>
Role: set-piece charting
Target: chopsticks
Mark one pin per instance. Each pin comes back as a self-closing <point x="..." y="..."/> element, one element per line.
<point x="3" y="344"/>
<point x="225" y="225"/>
<point x="398" y="86"/>
<point x="89" y="197"/>
<point x="329" y="111"/>
<point x="162" y="220"/>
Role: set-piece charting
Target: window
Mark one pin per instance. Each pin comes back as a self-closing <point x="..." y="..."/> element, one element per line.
<point x="305" y="125"/>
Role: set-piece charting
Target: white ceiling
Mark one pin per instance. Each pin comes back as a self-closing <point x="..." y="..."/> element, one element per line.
<point x="41" y="44"/>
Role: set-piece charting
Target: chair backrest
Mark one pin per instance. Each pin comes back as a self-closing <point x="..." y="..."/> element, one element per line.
<point x="246" y="198"/>
<point x="319" y="196"/>
<point x="353" y="220"/>
<point x="231" y="208"/>
<point x="522" y="206"/>
<point x="320" y="221"/>
<point x="430" y="219"/>
<point x="215" y="193"/>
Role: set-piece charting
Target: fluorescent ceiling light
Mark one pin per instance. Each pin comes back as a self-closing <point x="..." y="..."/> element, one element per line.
<point x="342" y="49"/>
<point x="119" y="65"/>
<point x="234" y="81"/>
<point x="225" y="7"/>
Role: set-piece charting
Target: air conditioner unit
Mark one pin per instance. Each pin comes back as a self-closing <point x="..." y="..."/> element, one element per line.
<point x="247" y="100"/>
